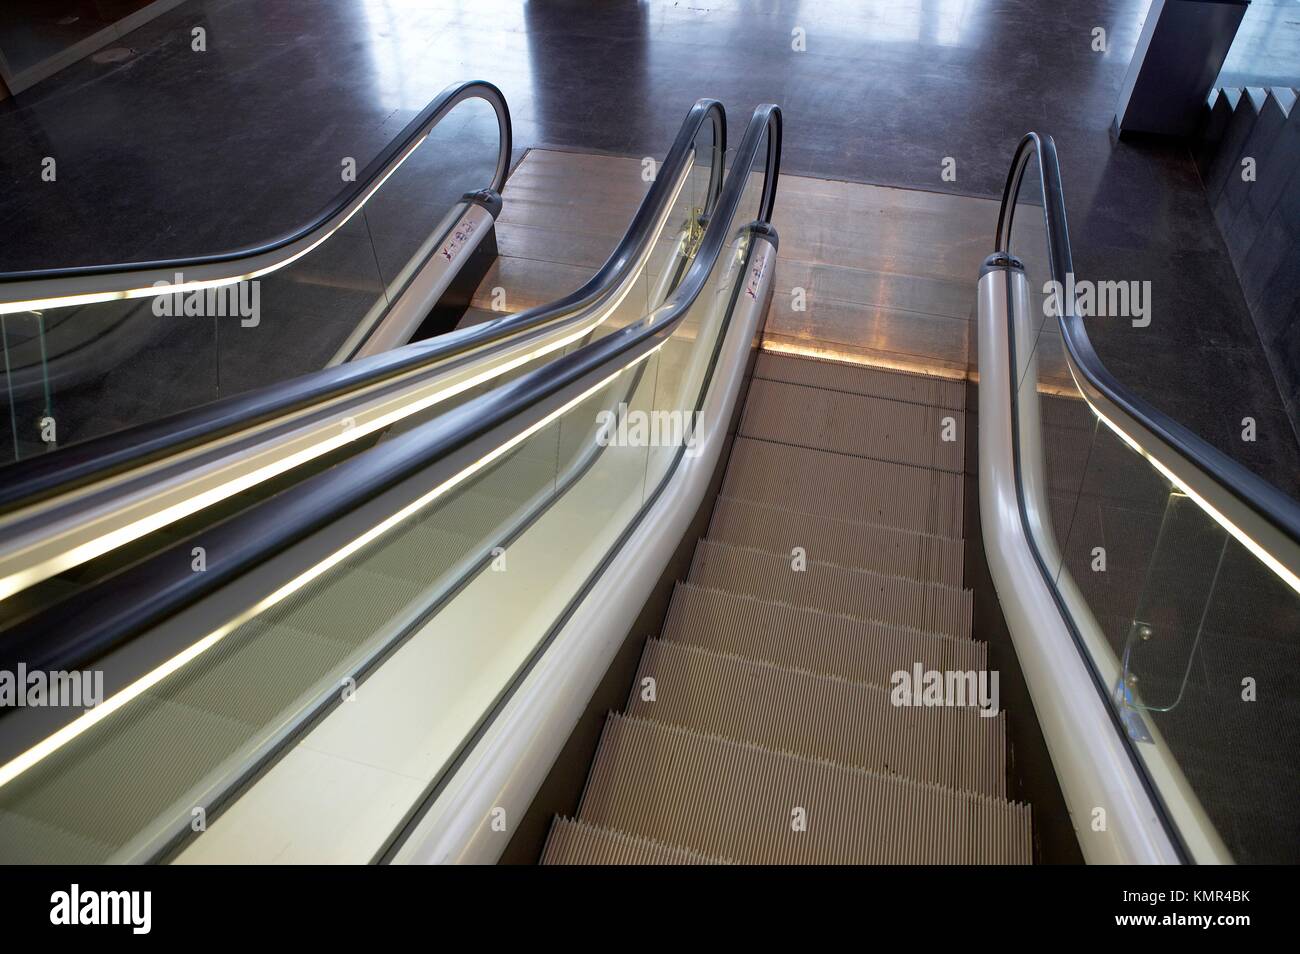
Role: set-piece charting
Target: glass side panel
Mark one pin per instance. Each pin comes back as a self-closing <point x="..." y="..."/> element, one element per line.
<point x="1211" y="659"/>
<point x="650" y="284"/>
<point x="26" y="385"/>
<point x="675" y="244"/>
<point x="111" y="365"/>
<point x="1194" y="638"/>
<point x="456" y="594"/>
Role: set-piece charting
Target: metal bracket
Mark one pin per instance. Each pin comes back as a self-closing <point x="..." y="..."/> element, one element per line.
<point x="1134" y="724"/>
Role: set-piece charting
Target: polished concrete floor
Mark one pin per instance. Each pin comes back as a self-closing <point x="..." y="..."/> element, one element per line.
<point x="171" y="151"/>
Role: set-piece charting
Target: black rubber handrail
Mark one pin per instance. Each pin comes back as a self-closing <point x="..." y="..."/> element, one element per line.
<point x="1266" y="500"/>
<point x="374" y="171"/>
<point x="74" y="634"/>
<point x="37" y="478"/>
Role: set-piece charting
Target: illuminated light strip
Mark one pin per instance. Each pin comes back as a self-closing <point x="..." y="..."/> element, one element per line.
<point x="20" y="580"/>
<point x="1242" y="537"/>
<point x="863" y="360"/>
<point x="75" y="556"/>
<point x="88" y="298"/>
<point x="52" y="743"/>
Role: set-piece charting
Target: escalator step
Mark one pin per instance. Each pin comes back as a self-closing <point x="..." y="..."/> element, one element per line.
<point x="257" y="672"/>
<point x="862" y="379"/>
<point x="147" y="761"/>
<point x="733" y="800"/>
<point x="858" y="545"/>
<point x="824" y="643"/>
<point x="574" y="842"/>
<point x="347" y="607"/>
<point x="819" y="717"/>
<point x="930" y="607"/>
<point x="422" y="552"/>
<point x="854" y="424"/>
<point x="845" y="488"/>
<point x="477" y="316"/>
<point x="28" y="841"/>
<point x="523" y="474"/>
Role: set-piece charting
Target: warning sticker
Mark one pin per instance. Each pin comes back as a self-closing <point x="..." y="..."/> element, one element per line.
<point x="756" y="272"/>
<point x="460" y="235"/>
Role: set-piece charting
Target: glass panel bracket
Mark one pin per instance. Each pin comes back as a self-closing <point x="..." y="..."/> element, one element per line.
<point x="1129" y="715"/>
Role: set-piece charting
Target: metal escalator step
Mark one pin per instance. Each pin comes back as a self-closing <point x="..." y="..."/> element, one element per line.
<point x="422" y="551"/>
<point x="287" y="655"/>
<point x="740" y="801"/>
<point x="819" y="717"/>
<point x="477" y="316"/>
<point x="27" y="841"/>
<point x="854" y="424"/>
<point x="824" y="586"/>
<point x="859" y="545"/>
<point x="521" y="475"/>
<point x="575" y="842"/>
<point x="813" y="641"/>
<point x="862" y="379"/>
<point x="845" y="488"/>
<point x="116" y="779"/>
<point x="348" y="606"/>
<point x="258" y="672"/>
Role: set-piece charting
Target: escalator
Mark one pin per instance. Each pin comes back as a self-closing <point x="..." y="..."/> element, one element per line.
<point x="669" y="597"/>
<point x="81" y="511"/>
<point x="92" y="349"/>
<point x="761" y="727"/>
<point x="159" y="564"/>
<point x="1149" y="581"/>
<point x="1145" y="584"/>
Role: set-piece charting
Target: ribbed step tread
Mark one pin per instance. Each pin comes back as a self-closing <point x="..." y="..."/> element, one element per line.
<point x="845" y="488"/>
<point x="575" y="842"/>
<point x="119" y="777"/>
<point x="862" y="379"/>
<point x="799" y="638"/>
<point x="854" y="424"/>
<point x="819" y="717"/>
<point x="733" y="800"/>
<point x="27" y="841"/>
<point x="824" y="586"/>
<point x="353" y="607"/>
<point x="861" y="545"/>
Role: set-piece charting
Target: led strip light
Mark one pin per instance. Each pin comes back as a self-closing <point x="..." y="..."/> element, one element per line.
<point x="1245" y="539"/>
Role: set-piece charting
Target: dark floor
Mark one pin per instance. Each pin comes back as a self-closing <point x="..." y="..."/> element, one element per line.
<point x="172" y="152"/>
<point x="35" y="31"/>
